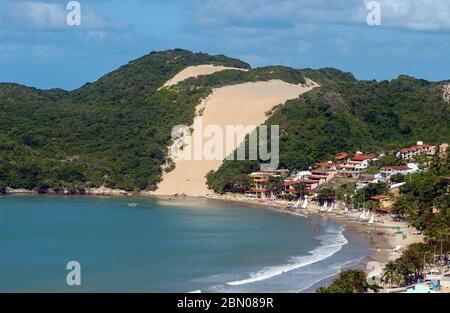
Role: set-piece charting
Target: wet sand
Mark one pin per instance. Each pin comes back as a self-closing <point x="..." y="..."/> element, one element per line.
<point x="379" y="236"/>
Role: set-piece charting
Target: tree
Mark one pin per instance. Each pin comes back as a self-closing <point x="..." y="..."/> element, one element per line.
<point x="373" y="206"/>
<point x="397" y="178"/>
<point x="390" y="160"/>
<point x="275" y="185"/>
<point x="345" y="191"/>
<point x="350" y="281"/>
<point x="326" y="193"/>
<point x="391" y="274"/>
<point x="300" y="188"/>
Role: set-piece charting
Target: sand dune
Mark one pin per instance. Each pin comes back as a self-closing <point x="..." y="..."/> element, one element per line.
<point x="195" y="71"/>
<point x="242" y="104"/>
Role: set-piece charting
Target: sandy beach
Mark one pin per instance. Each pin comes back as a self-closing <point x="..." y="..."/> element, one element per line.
<point x="244" y="104"/>
<point x="195" y="71"/>
<point x="380" y="235"/>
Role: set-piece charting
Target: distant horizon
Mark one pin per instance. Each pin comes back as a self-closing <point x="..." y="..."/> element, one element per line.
<point x="253" y="67"/>
<point x="39" y="48"/>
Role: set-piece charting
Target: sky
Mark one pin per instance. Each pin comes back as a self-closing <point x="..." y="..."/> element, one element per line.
<point x="38" y="48"/>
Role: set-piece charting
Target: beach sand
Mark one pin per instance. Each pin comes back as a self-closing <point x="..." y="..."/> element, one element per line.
<point x="380" y="236"/>
<point x="195" y="71"/>
<point x="244" y="104"/>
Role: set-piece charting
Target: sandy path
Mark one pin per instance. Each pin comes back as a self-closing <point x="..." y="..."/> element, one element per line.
<point x="195" y="71"/>
<point x="243" y="104"/>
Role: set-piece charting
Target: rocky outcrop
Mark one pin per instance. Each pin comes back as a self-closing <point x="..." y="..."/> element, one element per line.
<point x="20" y="191"/>
<point x="103" y="191"/>
<point x="446" y="93"/>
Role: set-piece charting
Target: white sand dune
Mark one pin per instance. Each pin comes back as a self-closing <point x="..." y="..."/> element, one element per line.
<point x="242" y="104"/>
<point x="195" y="71"/>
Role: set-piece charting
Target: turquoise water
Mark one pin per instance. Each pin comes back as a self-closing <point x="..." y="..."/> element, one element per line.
<point x="165" y="246"/>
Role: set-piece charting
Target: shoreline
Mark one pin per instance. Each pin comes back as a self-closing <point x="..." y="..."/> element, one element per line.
<point x="379" y="236"/>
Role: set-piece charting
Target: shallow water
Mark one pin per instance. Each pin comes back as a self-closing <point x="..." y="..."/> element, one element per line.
<point x="166" y="246"/>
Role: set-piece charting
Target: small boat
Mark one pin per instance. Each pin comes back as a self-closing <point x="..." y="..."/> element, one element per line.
<point x="397" y="290"/>
<point x="331" y="208"/>
<point x="133" y="204"/>
<point x="363" y="215"/>
<point x="324" y="207"/>
<point x="305" y="203"/>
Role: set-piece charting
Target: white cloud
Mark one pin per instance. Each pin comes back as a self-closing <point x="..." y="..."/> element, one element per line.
<point x="49" y="16"/>
<point x="425" y="15"/>
<point x="429" y="15"/>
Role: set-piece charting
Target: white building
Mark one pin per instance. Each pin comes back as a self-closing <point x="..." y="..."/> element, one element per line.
<point x="388" y="171"/>
<point x="419" y="149"/>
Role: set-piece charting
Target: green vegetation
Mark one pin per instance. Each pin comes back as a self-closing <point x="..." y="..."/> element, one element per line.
<point x="114" y="131"/>
<point x="421" y="194"/>
<point x="350" y="115"/>
<point x="372" y="189"/>
<point x="350" y="281"/>
<point x="424" y="192"/>
<point x="409" y="265"/>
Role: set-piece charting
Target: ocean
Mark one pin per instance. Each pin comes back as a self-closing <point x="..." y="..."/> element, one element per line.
<point x="182" y="245"/>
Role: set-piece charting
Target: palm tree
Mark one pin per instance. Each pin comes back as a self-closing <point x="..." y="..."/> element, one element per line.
<point x="391" y="274"/>
<point x="300" y="188"/>
<point x="275" y="185"/>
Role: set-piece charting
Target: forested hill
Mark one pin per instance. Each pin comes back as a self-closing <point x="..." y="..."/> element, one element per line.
<point x="345" y="114"/>
<point x="114" y="131"/>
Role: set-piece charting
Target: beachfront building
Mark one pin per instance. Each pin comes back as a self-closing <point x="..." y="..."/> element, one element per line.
<point x="385" y="204"/>
<point x="341" y="157"/>
<point x="261" y="180"/>
<point x="301" y="175"/>
<point x="325" y="166"/>
<point x="357" y="164"/>
<point x="363" y="159"/>
<point x="388" y="171"/>
<point x="311" y="180"/>
<point x="322" y="175"/>
<point x="419" y="149"/>
<point x="365" y="179"/>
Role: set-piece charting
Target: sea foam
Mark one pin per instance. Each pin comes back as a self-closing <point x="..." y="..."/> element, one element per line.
<point x="330" y="244"/>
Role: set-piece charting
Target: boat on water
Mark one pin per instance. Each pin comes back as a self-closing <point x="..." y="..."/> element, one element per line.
<point x="133" y="204"/>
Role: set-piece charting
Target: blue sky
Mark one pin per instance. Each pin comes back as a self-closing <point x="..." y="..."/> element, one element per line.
<point x="38" y="48"/>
